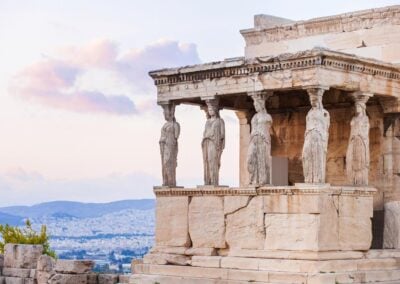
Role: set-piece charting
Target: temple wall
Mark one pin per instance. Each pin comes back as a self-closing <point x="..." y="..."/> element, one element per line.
<point x="381" y="43"/>
<point x="373" y="33"/>
<point x="288" y="138"/>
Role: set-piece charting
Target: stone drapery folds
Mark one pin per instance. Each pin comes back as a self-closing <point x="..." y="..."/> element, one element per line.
<point x="213" y="142"/>
<point x="169" y="145"/>
<point x="259" y="151"/>
<point x="357" y="156"/>
<point x="315" y="139"/>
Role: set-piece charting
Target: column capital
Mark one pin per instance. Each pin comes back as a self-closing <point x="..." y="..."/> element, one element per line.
<point x="166" y="103"/>
<point x="260" y="94"/>
<point x="209" y="98"/>
<point x="316" y="87"/>
<point x="316" y="90"/>
<point x="360" y="96"/>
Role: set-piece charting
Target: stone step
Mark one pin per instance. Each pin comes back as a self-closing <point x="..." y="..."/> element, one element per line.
<point x="192" y="275"/>
<point x="283" y="265"/>
<point x="151" y="279"/>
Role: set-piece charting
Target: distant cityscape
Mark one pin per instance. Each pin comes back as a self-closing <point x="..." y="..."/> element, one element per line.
<point x="111" y="239"/>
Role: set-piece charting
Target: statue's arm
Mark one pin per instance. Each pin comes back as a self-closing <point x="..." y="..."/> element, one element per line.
<point x="162" y="138"/>
<point x="177" y="129"/>
<point x="222" y="134"/>
<point x="328" y="122"/>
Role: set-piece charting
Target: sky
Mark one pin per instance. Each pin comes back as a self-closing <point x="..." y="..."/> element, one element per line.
<point x="78" y="113"/>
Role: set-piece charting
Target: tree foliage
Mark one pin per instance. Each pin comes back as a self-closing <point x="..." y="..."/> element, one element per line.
<point x="27" y="236"/>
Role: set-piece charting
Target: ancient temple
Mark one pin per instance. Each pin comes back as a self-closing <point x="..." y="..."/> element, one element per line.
<point x="318" y="109"/>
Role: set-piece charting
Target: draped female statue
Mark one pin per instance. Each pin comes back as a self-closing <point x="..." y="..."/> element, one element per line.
<point x="315" y="139"/>
<point x="213" y="143"/>
<point x="259" y="151"/>
<point x="169" y="145"/>
<point x="357" y="156"/>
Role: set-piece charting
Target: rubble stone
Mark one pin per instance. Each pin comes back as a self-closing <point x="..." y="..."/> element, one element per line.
<point x="45" y="263"/>
<point x="73" y="266"/>
<point x="68" y="279"/>
<point x="22" y="256"/>
<point x="108" y="278"/>
<point x="16" y="272"/>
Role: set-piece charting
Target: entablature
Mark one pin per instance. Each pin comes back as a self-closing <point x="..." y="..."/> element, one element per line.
<point x="285" y="72"/>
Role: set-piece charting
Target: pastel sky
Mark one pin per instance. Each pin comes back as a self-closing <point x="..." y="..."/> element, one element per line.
<point x="78" y="119"/>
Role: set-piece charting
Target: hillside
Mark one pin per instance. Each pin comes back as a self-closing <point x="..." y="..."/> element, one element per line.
<point x="74" y="209"/>
<point x="11" y="219"/>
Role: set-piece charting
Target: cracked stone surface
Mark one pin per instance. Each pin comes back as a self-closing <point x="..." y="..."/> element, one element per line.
<point x="207" y="222"/>
<point x="245" y="227"/>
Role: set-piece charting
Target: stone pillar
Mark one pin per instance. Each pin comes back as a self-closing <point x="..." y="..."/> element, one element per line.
<point x="213" y="142"/>
<point x="316" y="138"/>
<point x="169" y="145"/>
<point x="358" y="153"/>
<point x="244" y="139"/>
<point x="391" y="172"/>
<point x="259" y="161"/>
<point x="391" y="167"/>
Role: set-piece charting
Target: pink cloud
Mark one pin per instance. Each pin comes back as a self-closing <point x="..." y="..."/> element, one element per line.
<point x="136" y="63"/>
<point x="52" y="82"/>
<point x="100" y="53"/>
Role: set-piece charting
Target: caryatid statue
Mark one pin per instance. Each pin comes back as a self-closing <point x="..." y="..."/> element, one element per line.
<point x="259" y="151"/>
<point x="169" y="145"/>
<point x="213" y="143"/>
<point x="357" y="156"/>
<point x="315" y="139"/>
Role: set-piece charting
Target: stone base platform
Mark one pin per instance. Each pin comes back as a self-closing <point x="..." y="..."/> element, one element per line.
<point x="306" y="233"/>
<point x="375" y="266"/>
<point x="304" y="217"/>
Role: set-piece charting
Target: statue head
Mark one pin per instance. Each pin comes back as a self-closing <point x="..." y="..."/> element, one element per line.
<point x="259" y="100"/>
<point x="316" y="97"/>
<point x="360" y="101"/>
<point x="259" y="103"/>
<point x="169" y="112"/>
<point x="212" y="108"/>
<point x="360" y="108"/>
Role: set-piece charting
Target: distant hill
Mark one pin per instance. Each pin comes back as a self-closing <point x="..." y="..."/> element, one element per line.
<point x="71" y="209"/>
<point x="11" y="219"/>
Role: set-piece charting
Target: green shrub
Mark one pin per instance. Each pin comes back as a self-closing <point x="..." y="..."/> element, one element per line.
<point x="25" y="236"/>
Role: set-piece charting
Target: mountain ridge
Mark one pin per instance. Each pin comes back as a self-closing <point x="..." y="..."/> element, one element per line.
<point x="11" y="219"/>
<point x="75" y="208"/>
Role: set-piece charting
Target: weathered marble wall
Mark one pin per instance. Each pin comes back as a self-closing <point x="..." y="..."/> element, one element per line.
<point x="376" y="35"/>
<point x="221" y="220"/>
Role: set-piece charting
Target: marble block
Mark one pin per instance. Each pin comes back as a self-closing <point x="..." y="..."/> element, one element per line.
<point x="172" y="227"/>
<point x="207" y="222"/>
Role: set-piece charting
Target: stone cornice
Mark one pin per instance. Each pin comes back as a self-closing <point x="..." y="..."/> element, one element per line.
<point x="266" y="190"/>
<point x="317" y="57"/>
<point x="347" y="22"/>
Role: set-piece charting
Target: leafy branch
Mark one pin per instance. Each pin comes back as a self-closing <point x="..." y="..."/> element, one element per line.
<point x="27" y="236"/>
